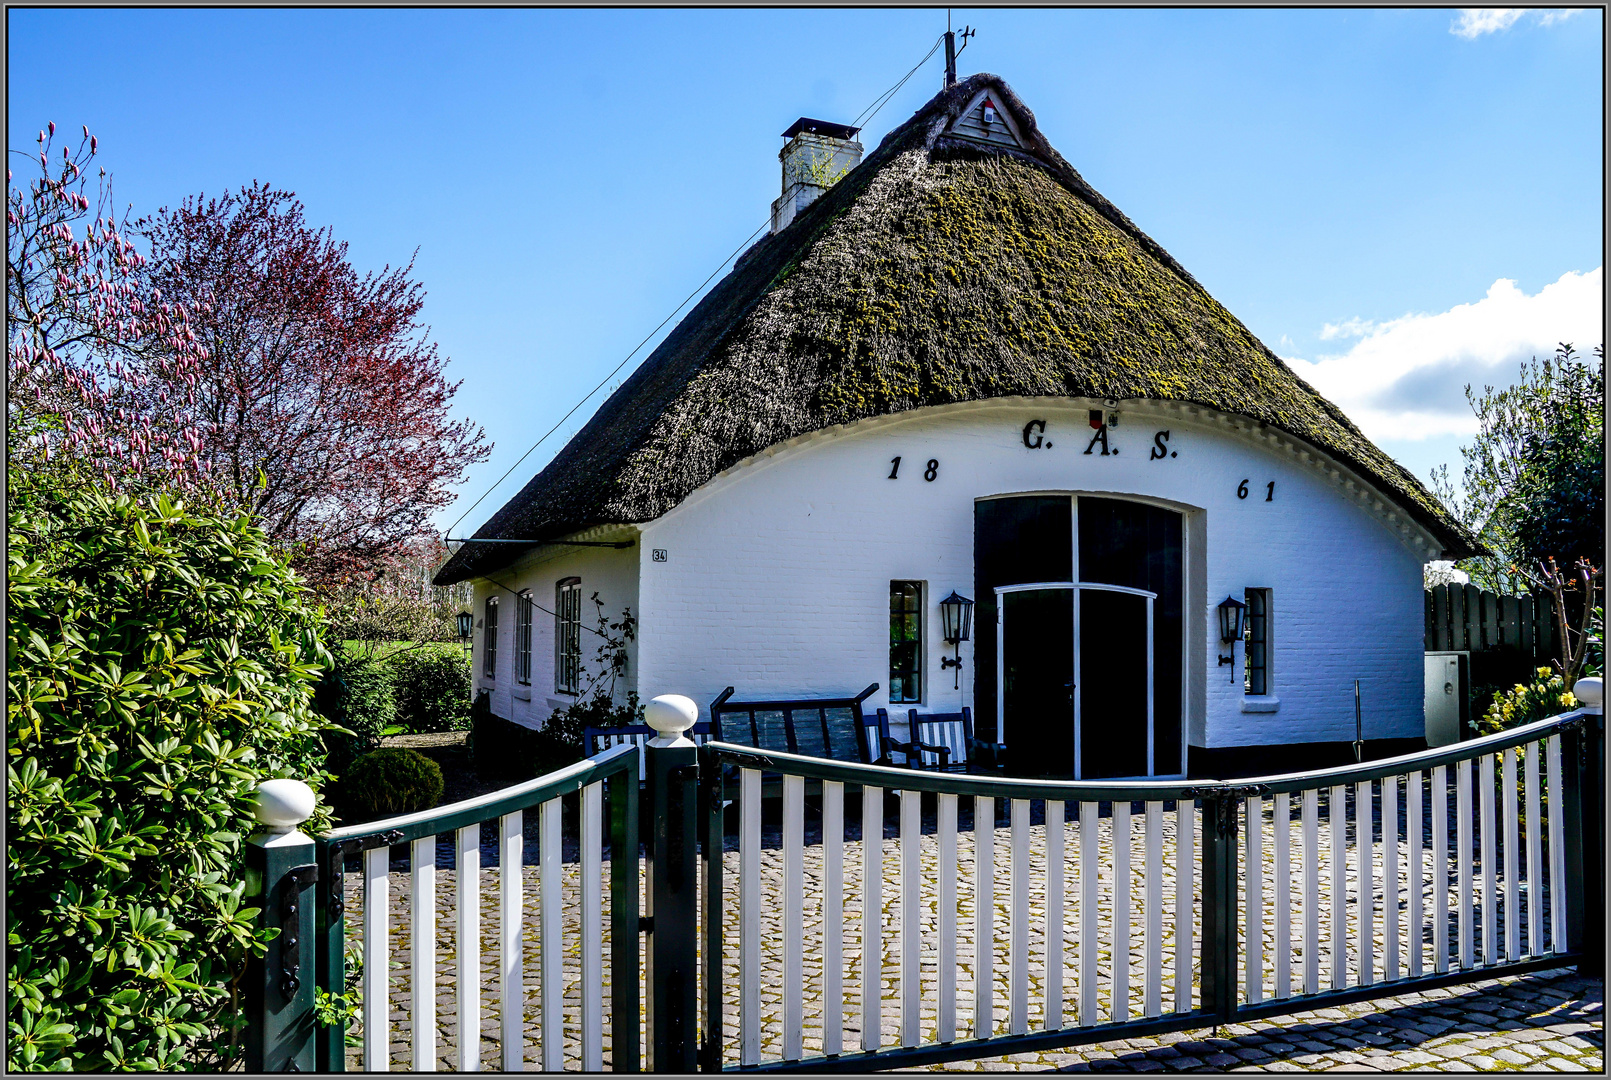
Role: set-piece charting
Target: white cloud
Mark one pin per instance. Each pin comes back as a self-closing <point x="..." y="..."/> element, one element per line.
<point x="1349" y="328"/>
<point x="1475" y="22"/>
<point x="1555" y="15"/>
<point x="1404" y="378"/>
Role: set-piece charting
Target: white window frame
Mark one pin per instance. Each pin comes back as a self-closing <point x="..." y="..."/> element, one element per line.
<point x="1266" y="701"/>
<point x="922" y="644"/>
<point x="523" y="609"/>
<point x="489" y="638"/>
<point x="568" y="636"/>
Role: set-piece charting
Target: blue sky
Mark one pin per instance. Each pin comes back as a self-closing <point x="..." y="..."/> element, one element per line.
<point x="1398" y="201"/>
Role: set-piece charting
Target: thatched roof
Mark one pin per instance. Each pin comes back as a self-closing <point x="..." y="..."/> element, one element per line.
<point x="939" y="270"/>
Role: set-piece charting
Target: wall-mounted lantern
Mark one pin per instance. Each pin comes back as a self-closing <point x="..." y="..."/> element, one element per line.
<point x="956" y="616"/>
<point x="1231" y="611"/>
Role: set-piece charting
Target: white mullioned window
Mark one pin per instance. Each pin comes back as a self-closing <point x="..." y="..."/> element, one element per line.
<point x="523" y="608"/>
<point x="489" y="639"/>
<point x="1256" y="635"/>
<point x="568" y="636"/>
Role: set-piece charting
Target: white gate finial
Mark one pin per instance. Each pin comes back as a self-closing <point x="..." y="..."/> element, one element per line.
<point x="671" y="715"/>
<point x="283" y="804"/>
<point x="1590" y="693"/>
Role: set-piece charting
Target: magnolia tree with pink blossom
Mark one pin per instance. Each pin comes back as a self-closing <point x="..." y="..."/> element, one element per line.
<point x="100" y="364"/>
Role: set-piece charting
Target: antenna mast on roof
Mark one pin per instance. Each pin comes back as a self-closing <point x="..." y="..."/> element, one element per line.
<point x="951" y="50"/>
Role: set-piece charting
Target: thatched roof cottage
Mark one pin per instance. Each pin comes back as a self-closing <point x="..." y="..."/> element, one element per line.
<point x="960" y="369"/>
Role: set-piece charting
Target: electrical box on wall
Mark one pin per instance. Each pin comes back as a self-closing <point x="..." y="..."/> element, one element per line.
<point x="1448" y="697"/>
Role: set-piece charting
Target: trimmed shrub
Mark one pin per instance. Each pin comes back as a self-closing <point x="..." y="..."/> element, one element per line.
<point x="391" y="780"/>
<point x="160" y="666"/>
<point x="432" y="689"/>
<point x="359" y="696"/>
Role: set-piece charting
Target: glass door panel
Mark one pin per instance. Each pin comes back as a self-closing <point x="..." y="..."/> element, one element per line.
<point x="1038" y="681"/>
<point x="1114" y="684"/>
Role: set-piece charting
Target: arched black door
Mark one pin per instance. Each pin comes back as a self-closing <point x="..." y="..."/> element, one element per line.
<point x="1080" y="675"/>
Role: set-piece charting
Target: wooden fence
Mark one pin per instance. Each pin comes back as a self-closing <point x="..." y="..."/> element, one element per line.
<point x="1464" y="617"/>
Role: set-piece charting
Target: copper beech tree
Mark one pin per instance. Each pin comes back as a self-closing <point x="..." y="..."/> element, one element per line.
<point x="324" y="406"/>
<point x="229" y="349"/>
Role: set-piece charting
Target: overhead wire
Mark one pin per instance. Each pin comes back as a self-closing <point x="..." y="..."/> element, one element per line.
<point x="883" y="99"/>
<point x="607" y="378"/>
<point x="864" y="118"/>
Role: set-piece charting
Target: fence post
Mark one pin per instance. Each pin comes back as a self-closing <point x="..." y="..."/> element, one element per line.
<point x="711" y="799"/>
<point x="1219" y="902"/>
<point x="1585" y="838"/>
<point x="278" y="986"/>
<point x="673" y="807"/>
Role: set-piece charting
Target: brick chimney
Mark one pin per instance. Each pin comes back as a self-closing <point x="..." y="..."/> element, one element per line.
<point x="817" y="154"/>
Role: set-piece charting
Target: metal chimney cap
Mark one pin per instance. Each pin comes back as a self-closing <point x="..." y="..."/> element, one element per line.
<point x="820" y="127"/>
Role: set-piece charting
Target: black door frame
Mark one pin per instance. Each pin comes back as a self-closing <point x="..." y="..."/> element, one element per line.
<point x="1076" y="586"/>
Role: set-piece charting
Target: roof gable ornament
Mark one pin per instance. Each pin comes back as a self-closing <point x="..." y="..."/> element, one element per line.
<point x="985" y="121"/>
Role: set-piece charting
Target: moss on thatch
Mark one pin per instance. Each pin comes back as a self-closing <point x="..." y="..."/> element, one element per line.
<point x="937" y="271"/>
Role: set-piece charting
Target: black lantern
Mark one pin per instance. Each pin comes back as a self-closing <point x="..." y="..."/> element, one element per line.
<point x="1230" y="619"/>
<point x="466" y="624"/>
<point x="956" y="615"/>
<point x="1230" y="628"/>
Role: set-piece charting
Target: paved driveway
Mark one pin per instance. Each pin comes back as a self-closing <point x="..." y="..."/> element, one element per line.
<point x="1547" y="1022"/>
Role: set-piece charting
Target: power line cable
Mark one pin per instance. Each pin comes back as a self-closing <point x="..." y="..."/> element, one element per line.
<point x="868" y="113"/>
<point x="884" y="98"/>
<point x="610" y="376"/>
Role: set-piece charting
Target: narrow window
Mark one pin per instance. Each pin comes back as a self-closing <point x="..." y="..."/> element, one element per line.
<point x="1257" y="636"/>
<point x="489" y="640"/>
<point x="568" y="635"/>
<point x="905" y="641"/>
<point x="523" y="638"/>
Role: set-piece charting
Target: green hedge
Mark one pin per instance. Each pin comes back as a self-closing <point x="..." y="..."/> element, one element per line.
<point x="358" y="696"/>
<point x="431" y="686"/>
<point x="411" y="690"/>
<point x="160" y="666"/>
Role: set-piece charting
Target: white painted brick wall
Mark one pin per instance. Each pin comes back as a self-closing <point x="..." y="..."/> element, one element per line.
<point x="612" y="573"/>
<point x="777" y="573"/>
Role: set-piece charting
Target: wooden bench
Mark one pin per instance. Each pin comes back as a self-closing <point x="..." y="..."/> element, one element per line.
<point x="833" y="728"/>
<point x="944" y="742"/>
<point x="596" y="740"/>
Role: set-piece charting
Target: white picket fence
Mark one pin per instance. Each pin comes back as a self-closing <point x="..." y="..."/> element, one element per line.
<point x="1082" y="911"/>
<point x="1092" y="920"/>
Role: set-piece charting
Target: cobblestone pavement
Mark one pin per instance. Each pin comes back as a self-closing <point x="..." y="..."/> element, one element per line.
<point x="1546" y="1022"/>
<point x="1535" y="1022"/>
